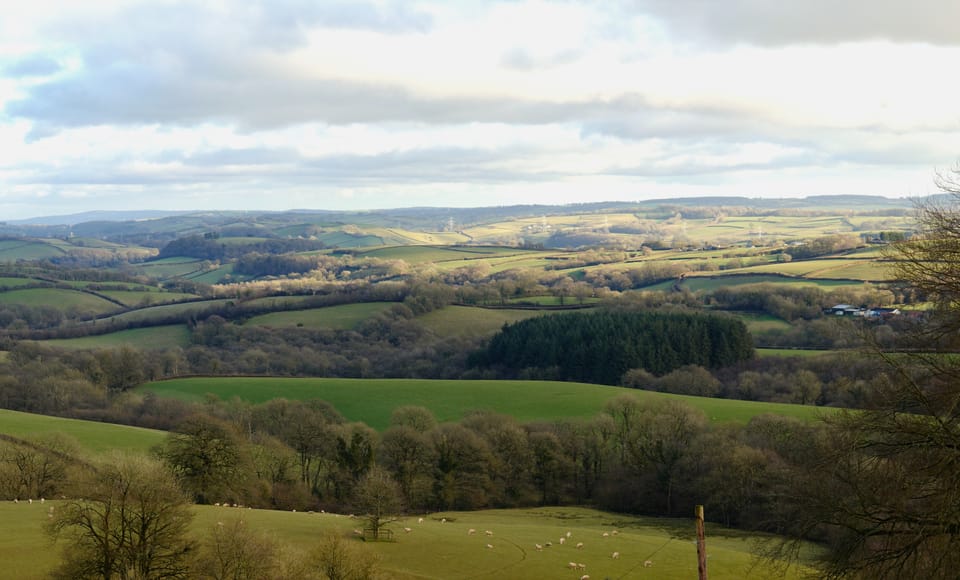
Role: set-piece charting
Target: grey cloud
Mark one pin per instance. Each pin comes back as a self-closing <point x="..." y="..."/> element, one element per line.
<point x="36" y="65"/>
<point x="520" y="59"/>
<point x="773" y="23"/>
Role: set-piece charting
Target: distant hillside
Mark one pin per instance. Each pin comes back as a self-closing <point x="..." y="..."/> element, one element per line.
<point x="155" y="228"/>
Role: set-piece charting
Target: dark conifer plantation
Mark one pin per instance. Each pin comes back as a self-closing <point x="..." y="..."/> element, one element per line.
<point x="601" y="347"/>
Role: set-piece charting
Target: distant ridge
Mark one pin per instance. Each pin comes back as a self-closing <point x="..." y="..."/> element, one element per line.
<point x="98" y="216"/>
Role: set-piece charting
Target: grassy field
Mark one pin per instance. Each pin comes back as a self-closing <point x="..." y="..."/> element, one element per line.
<point x="146" y="297"/>
<point x="435" y="549"/>
<point x="58" y="298"/>
<point x="155" y="312"/>
<point x="372" y="401"/>
<point x="472" y="321"/>
<point x="150" y="338"/>
<point x="343" y="317"/>
<point x="91" y="436"/>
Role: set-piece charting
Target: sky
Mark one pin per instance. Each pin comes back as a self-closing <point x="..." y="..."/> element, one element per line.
<point x="343" y="105"/>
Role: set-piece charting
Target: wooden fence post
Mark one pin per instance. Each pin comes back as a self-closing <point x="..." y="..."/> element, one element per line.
<point x="701" y="545"/>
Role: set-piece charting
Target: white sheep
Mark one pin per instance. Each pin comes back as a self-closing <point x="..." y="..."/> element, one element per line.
<point x="572" y="565"/>
<point x="539" y="547"/>
<point x="488" y="532"/>
<point x="579" y="545"/>
<point x="648" y="563"/>
<point x="615" y="555"/>
<point x="471" y="532"/>
<point x="581" y="566"/>
<point x="443" y="520"/>
<point x="585" y="577"/>
<point x="569" y="534"/>
<point x="605" y="535"/>
<point x="615" y="532"/>
<point x="562" y="540"/>
<point x="408" y="530"/>
<point x="15" y="500"/>
<point x="490" y="546"/>
<point x="42" y="500"/>
<point x="30" y="500"/>
<point x="419" y="521"/>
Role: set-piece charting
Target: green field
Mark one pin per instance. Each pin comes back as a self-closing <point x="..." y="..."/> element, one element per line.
<point x="435" y="549"/>
<point x="342" y="317"/>
<point x="473" y="321"/>
<point x="373" y="400"/>
<point x="156" y="312"/>
<point x="60" y="299"/>
<point x="150" y="338"/>
<point x="146" y="297"/>
<point x="712" y="282"/>
<point x="760" y="323"/>
<point x="92" y="436"/>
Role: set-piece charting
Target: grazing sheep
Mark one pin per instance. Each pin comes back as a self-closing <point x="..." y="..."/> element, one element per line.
<point x="615" y="555"/>
<point x="648" y="564"/>
<point x="357" y="532"/>
<point x="488" y="532"/>
<point x="471" y="532"/>
<point x="615" y="532"/>
<point x="585" y="577"/>
<point x="572" y="565"/>
<point x="217" y="504"/>
<point x="490" y="546"/>
<point x="420" y="521"/>
<point x="569" y="534"/>
<point x="30" y="500"/>
<point x="15" y="500"/>
<point x="408" y="530"/>
<point x="581" y="566"/>
<point x="539" y="547"/>
<point x="579" y="545"/>
<point x="42" y="500"/>
<point x="605" y="535"/>
<point x="443" y="520"/>
<point x="562" y="540"/>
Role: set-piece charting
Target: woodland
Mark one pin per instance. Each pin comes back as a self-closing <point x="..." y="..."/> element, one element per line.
<point x="604" y="302"/>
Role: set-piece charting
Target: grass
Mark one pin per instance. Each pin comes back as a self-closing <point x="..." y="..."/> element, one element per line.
<point x="92" y="436"/>
<point x="150" y="338"/>
<point x="372" y="401"/>
<point x="60" y="299"/>
<point x="342" y="317"/>
<point x="782" y="352"/>
<point x="760" y="323"/>
<point x="471" y="321"/>
<point x="179" y="309"/>
<point x="445" y="550"/>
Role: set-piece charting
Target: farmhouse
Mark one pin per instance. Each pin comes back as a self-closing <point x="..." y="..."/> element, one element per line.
<point x="848" y="310"/>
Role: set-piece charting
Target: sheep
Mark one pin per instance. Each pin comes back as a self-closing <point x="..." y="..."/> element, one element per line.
<point x="569" y="534"/>
<point x="408" y="530"/>
<point x="15" y="500"/>
<point x="572" y="565"/>
<point x="548" y="544"/>
<point x="30" y="500"/>
<point x="648" y="563"/>
<point x="420" y="521"/>
<point x="489" y="546"/>
<point x="585" y="577"/>
<point x="539" y="547"/>
<point x="443" y="520"/>
<point x="615" y="532"/>
<point x="605" y="535"/>
<point x="615" y="555"/>
<point x="488" y="532"/>
<point x="562" y="540"/>
<point x="42" y="500"/>
<point x="581" y="566"/>
<point x="357" y="532"/>
<point x="217" y="504"/>
<point x="579" y="545"/>
<point x="471" y="532"/>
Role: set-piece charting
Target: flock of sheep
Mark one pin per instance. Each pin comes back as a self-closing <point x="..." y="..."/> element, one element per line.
<point x="579" y="566"/>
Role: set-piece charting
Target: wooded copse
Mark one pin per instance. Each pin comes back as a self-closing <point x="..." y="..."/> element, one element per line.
<point x="600" y="347"/>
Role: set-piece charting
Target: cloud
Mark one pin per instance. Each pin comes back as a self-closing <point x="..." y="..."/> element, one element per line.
<point x="36" y="65"/>
<point x="772" y="23"/>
